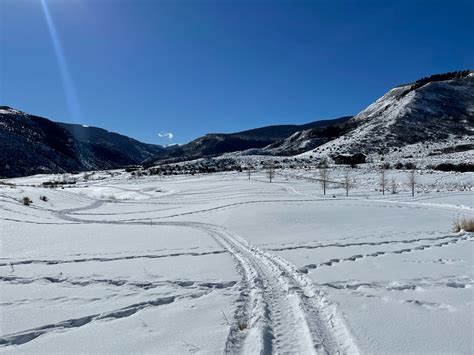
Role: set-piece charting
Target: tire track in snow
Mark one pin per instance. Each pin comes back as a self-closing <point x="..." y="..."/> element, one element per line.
<point x="279" y="310"/>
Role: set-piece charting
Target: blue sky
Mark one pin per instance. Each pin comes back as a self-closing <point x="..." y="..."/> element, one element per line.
<point x="145" y="68"/>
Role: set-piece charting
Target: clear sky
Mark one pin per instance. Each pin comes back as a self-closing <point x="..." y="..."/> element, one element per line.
<point x="190" y="67"/>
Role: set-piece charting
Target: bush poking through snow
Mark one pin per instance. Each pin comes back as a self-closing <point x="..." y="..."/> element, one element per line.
<point x="243" y="326"/>
<point x="394" y="187"/>
<point x="27" y="201"/>
<point x="465" y="224"/>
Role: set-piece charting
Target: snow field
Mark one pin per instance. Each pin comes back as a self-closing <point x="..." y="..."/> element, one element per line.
<point x="218" y="263"/>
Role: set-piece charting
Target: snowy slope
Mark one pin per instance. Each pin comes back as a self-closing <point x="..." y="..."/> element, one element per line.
<point x="254" y="141"/>
<point x="33" y="145"/>
<point x="438" y="111"/>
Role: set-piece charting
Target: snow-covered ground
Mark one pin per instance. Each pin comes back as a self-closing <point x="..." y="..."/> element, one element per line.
<point x="219" y="263"/>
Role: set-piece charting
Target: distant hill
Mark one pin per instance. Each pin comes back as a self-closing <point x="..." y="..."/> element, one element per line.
<point x="304" y="140"/>
<point x="216" y="144"/>
<point x="33" y="145"/>
<point x="278" y="132"/>
<point x="97" y="140"/>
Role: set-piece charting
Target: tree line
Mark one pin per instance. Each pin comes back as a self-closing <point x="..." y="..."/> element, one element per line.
<point x="440" y="77"/>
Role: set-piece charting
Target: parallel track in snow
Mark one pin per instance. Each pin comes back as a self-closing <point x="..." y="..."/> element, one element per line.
<point x="279" y="310"/>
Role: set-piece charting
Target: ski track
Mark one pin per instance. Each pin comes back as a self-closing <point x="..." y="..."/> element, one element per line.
<point x="279" y="309"/>
<point x="345" y="245"/>
<point x="104" y="259"/>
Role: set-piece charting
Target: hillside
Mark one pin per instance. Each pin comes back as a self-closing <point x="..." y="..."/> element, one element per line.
<point x="427" y="112"/>
<point x="304" y="140"/>
<point x="249" y="140"/>
<point x="33" y="145"/>
<point x="126" y="150"/>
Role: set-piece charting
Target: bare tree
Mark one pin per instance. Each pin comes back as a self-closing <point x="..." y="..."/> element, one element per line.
<point x="270" y="172"/>
<point x="383" y="179"/>
<point x="347" y="182"/>
<point x="412" y="181"/>
<point x="324" y="176"/>
<point x="249" y="170"/>
<point x="393" y="186"/>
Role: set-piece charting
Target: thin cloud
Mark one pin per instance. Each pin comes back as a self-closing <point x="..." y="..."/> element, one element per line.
<point x="168" y="135"/>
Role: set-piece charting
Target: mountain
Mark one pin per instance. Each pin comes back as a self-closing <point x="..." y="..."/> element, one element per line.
<point x="278" y="132"/>
<point x="99" y="143"/>
<point x="218" y="143"/>
<point x="302" y="141"/>
<point x="430" y="110"/>
<point x="33" y="145"/>
<point x="433" y="116"/>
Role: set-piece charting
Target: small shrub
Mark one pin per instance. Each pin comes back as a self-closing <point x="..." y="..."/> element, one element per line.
<point x="398" y="166"/>
<point x="243" y="326"/>
<point x="465" y="224"/>
<point x="27" y="201"/>
<point x="44" y="198"/>
<point x="394" y="187"/>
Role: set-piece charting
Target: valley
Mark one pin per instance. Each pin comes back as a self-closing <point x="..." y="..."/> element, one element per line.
<point x="180" y="264"/>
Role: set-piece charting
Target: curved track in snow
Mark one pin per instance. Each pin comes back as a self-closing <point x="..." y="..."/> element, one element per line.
<point x="279" y="310"/>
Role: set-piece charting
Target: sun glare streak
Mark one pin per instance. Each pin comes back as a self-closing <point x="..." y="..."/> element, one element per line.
<point x="71" y="97"/>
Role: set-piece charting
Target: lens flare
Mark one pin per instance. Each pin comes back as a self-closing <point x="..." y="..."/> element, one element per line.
<point x="70" y="92"/>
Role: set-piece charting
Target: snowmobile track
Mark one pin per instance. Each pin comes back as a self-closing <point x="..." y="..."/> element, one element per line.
<point x="279" y="310"/>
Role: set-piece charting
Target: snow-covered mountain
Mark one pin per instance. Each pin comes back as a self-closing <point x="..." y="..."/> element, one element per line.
<point x="307" y="139"/>
<point x="253" y="140"/>
<point x="33" y="145"/>
<point x="432" y="110"/>
<point x="433" y="116"/>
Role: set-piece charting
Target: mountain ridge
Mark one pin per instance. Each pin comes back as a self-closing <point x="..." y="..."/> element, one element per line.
<point x="435" y="111"/>
<point x="34" y="145"/>
<point x="407" y="115"/>
<point x="215" y="144"/>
